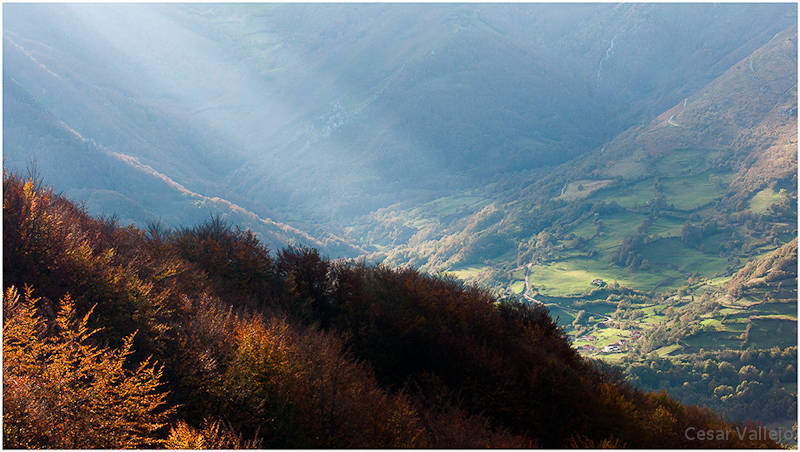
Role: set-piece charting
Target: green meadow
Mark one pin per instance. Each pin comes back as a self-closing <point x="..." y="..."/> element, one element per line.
<point x="761" y="201"/>
<point x="691" y="192"/>
<point x="469" y="271"/>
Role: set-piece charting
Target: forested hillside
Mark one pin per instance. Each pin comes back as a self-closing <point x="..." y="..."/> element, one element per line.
<point x="201" y="337"/>
<point x="669" y="246"/>
<point x="628" y="172"/>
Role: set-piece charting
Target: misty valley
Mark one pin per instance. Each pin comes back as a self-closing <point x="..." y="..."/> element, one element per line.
<point x="410" y="225"/>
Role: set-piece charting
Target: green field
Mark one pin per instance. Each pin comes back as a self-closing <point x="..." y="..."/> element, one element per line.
<point x="692" y="192"/>
<point x="664" y="351"/>
<point x="666" y="227"/>
<point x="787" y="309"/>
<point x="681" y="161"/>
<point x="760" y="202"/>
<point x="630" y="196"/>
<point x="517" y="287"/>
<point x="563" y="317"/>
<point x="714" y="322"/>
<point x="767" y="333"/>
<point x="468" y="272"/>
<point x="582" y="189"/>
<point x="670" y="253"/>
<point x="572" y="277"/>
<point x="616" y="227"/>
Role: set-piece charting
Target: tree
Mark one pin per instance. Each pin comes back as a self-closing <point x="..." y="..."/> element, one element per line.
<point x="691" y="234"/>
<point x="62" y="392"/>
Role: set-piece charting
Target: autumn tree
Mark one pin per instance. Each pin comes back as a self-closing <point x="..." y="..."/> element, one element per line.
<point x="61" y="391"/>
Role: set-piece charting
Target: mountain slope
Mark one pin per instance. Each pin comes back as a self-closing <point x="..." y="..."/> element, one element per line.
<point x="286" y="351"/>
<point x="314" y="114"/>
<point x="711" y="153"/>
<point x="641" y="241"/>
<point x="120" y="185"/>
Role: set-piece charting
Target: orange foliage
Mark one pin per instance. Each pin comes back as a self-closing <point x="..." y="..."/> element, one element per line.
<point x="296" y="351"/>
<point x="62" y="392"/>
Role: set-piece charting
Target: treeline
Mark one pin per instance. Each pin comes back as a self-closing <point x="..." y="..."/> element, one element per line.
<point x="200" y="337"/>
<point x="738" y="384"/>
<point x="777" y="267"/>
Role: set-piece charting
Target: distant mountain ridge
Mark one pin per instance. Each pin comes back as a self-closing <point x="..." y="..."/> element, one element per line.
<point x="314" y="114"/>
<point x="103" y="179"/>
<point x="630" y="169"/>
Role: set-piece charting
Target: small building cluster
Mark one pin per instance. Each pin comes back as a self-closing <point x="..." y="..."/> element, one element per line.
<point x="616" y="347"/>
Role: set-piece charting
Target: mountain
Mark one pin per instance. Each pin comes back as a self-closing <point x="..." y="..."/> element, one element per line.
<point x="704" y="159"/>
<point x="648" y="237"/>
<point x="632" y="168"/>
<point x="200" y="337"/>
<point x="313" y="114"/>
<point x="121" y="185"/>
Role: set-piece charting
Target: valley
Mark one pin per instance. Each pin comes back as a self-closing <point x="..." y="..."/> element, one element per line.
<point x="632" y="168"/>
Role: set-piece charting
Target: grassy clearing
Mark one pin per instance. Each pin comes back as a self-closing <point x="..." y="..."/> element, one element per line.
<point x="786" y="309"/>
<point x="666" y="227"/>
<point x="564" y="317"/>
<point x="582" y="188"/>
<point x="560" y="279"/>
<point x="691" y="192"/>
<point x="630" y="167"/>
<point x="760" y="202"/>
<point x="713" y="322"/>
<point x="651" y="310"/>
<point x="616" y="227"/>
<point x="598" y="310"/>
<point x="767" y="333"/>
<point x="518" y="287"/>
<point x="630" y="196"/>
<point x="586" y="229"/>
<point x="469" y="271"/>
<point x="417" y="223"/>
<point x="678" y="159"/>
<point x="671" y="253"/>
<point x="773" y="317"/>
<point x="653" y="320"/>
<point x="718" y="281"/>
<point x="712" y="341"/>
<point x="735" y="327"/>
<point x="613" y="357"/>
<point x="572" y="277"/>
<point x="607" y="336"/>
<point x="664" y="351"/>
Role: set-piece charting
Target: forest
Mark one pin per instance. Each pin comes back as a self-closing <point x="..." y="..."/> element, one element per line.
<point x="202" y="337"/>
<point x="238" y="225"/>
